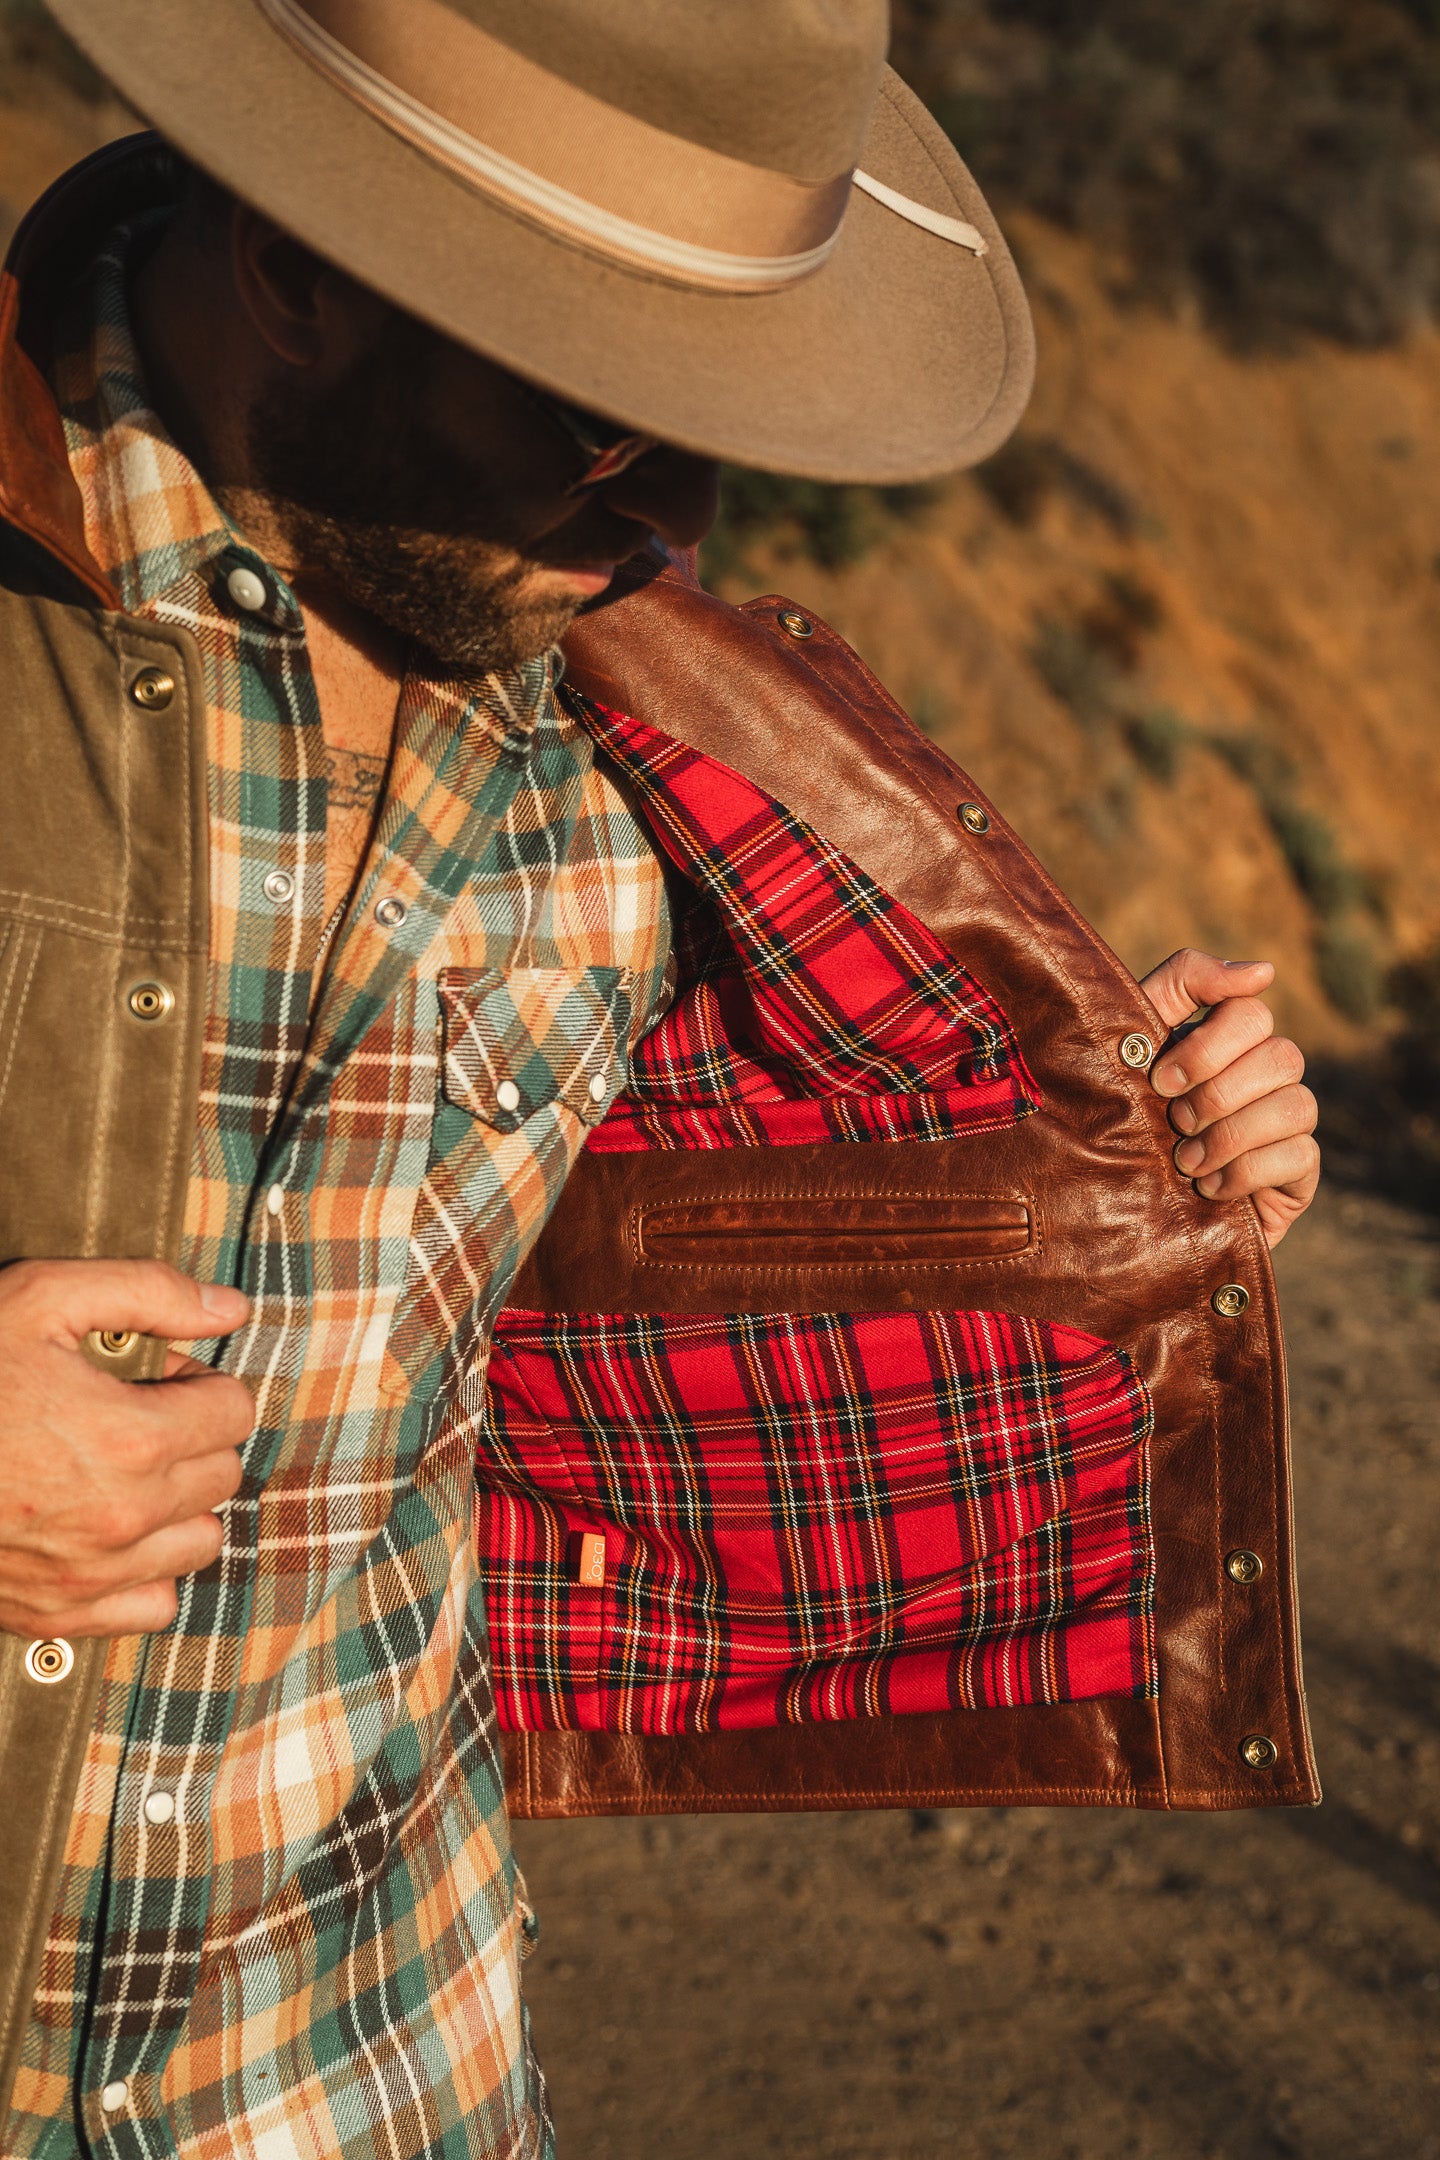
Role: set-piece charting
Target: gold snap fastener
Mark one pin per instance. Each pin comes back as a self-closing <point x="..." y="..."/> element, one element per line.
<point x="1136" y="1050"/>
<point x="49" y="1661"/>
<point x="1244" y="1566"/>
<point x="798" y="625"/>
<point x="114" y="1342"/>
<point x="151" y="1000"/>
<point x="152" y="689"/>
<point x="974" y="818"/>
<point x="1230" y="1300"/>
<point x="1260" y="1751"/>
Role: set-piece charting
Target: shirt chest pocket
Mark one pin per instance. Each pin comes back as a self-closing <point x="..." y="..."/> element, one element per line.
<point x="514" y="1043"/>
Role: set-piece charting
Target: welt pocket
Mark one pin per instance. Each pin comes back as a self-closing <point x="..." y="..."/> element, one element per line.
<point x="515" y="1042"/>
<point x="799" y="1230"/>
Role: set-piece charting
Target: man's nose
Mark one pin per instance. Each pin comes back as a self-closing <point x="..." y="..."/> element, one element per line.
<point x="672" y="492"/>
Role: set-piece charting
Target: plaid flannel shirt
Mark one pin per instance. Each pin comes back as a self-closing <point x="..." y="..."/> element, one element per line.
<point x="287" y="1922"/>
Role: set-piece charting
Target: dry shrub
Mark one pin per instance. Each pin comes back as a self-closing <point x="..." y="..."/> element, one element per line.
<point x="1274" y="162"/>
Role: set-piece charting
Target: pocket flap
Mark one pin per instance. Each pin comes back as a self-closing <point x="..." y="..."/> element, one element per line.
<point x="517" y="1041"/>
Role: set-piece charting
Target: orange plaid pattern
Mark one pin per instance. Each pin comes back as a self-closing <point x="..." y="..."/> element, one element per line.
<point x="312" y="1947"/>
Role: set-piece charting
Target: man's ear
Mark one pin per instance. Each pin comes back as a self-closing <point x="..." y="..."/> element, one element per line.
<point x="310" y="314"/>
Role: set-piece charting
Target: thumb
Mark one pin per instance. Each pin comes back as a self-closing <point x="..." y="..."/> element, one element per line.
<point x="70" y="1297"/>
<point x="1188" y="980"/>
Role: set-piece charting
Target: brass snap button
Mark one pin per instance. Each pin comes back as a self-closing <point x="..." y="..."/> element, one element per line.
<point x="115" y="1342"/>
<point x="798" y="625"/>
<point x="152" y="689"/>
<point x="1244" y="1566"/>
<point x="975" y="818"/>
<point x="1260" y="1751"/>
<point x="1136" y="1050"/>
<point x="151" y="1000"/>
<point x="49" y="1661"/>
<point x="1230" y="1300"/>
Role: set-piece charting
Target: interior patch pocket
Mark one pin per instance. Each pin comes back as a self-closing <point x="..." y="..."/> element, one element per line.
<point x="514" y="1042"/>
<point x="809" y="1517"/>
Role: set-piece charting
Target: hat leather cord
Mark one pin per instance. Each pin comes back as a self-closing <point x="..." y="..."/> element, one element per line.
<point x="650" y="199"/>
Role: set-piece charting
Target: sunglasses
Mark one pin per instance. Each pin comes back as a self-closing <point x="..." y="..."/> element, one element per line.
<point x="606" y="447"/>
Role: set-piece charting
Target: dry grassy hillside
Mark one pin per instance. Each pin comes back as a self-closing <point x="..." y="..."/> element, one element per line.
<point x="1186" y="630"/>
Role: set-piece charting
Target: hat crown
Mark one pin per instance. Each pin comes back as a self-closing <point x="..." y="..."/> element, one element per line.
<point x="785" y="84"/>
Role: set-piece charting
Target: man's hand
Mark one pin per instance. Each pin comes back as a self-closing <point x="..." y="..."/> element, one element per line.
<point x="1235" y="1088"/>
<point x="107" y="1487"/>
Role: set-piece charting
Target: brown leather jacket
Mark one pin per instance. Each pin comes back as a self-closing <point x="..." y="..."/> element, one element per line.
<point x="104" y="848"/>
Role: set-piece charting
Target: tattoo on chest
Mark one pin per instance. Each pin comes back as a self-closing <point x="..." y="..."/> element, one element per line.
<point x="352" y="779"/>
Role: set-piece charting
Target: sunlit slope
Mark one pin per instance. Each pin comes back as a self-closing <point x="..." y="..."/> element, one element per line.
<point x="1187" y="632"/>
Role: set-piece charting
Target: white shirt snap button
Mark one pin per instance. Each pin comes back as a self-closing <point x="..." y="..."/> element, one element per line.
<point x="275" y="1199"/>
<point x="159" y="1807"/>
<point x="598" y="1084"/>
<point x="507" y="1095"/>
<point x="114" y="2095"/>
<point x="246" y="589"/>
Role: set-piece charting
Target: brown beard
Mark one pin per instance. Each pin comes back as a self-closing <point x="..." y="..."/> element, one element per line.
<point x="366" y="493"/>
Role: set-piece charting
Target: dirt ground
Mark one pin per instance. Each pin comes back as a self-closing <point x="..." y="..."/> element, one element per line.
<point x="1058" y="1984"/>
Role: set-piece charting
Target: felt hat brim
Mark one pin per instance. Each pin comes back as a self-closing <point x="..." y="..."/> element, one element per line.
<point x="905" y="356"/>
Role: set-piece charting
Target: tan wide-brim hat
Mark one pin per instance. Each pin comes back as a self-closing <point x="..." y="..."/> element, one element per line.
<point x="646" y="206"/>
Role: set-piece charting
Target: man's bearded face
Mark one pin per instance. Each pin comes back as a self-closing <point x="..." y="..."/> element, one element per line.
<point x="454" y="545"/>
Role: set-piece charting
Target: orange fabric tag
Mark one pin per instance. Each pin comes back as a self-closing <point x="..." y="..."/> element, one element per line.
<point x="590" y="1560"/>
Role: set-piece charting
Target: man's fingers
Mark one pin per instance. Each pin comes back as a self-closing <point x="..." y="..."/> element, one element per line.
<point x="1293" y="1165"/>
<point x="194" y="1414"/>
<point x="1271" y="1066"/>
<point x="67" y="1599"/>
<point x="204" y="1484"/>
<point x="1288" y="1114"/>
<point x="143" y="1610"/>
<point x="146" y="1610"/>
<point x="62" y="1300"/>
<point x="1223" y="1036"/>
<point x="178" y="1366"/>
<point x="1189" y="979"/>
<point x="1277" y="1210"/>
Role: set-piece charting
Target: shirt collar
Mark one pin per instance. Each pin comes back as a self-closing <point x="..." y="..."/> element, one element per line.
<point x="151" y="521"/>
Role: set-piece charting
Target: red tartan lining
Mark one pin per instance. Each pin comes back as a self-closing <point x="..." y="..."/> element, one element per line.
<point x="805" y="1516"/>
<point x="811" y="1006"/>
<point x="810" y="1517"/>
